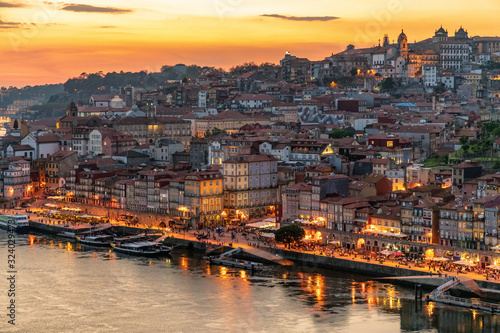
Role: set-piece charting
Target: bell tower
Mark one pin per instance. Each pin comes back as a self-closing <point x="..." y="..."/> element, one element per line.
<point x="72" y="110"/>
<point x="403" y="45"/>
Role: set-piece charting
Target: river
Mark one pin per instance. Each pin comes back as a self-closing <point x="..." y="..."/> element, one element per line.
<point x="62" y="287"/>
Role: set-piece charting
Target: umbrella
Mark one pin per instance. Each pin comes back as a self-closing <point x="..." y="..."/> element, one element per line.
<point x="497" y="267"/>
<point x="397" y="253"/>
<point x="386" y="252"/>
<point x="464" y="263"/>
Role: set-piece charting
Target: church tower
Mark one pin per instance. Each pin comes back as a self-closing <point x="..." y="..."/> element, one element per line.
<point x="386" y="41"/>
<point x="72" y="110"/>
<point x="403" y="45"/>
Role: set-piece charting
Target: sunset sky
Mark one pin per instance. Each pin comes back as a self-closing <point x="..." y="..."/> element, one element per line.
<point x="49" y="42"/>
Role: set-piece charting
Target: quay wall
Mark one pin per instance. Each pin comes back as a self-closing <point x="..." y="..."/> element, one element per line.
<point x="372" y="268"/>
<point x="405" y="275"/>
<point x="53" y="228"/>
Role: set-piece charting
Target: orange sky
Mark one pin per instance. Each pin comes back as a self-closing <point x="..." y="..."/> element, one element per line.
<point x="43" y="42"/>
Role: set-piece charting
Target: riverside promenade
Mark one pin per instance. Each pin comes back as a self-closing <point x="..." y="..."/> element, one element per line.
<point x="353" y="263"/>
<point x="277" y="254"/>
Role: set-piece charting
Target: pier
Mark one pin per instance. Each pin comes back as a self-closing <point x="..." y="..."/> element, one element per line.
<point x="441" y="295"/>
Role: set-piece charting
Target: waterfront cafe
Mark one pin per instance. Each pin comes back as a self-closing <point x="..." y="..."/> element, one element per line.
<point x="374" y="230"/>
<point x="317" y="222"/>
<point x="312" y="235"/>
<point x="262" y="225"/>
<point x="50" y="205"/>
<point x="71" y="209"/>
<point x="57" y="197"/>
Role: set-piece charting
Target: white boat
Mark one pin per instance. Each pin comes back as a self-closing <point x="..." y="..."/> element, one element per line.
<point x="99" y="240"/>
<point x="148" y="249"/>
<point x="18" y="223"/>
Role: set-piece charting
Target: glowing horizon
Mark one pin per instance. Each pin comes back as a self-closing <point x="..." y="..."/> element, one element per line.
<point x="43" y="42"/>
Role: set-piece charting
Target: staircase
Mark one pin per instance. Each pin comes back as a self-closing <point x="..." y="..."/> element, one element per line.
<point x="439" y="291"/>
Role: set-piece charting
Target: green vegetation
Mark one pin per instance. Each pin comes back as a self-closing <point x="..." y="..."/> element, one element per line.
<point x="439" y="89"/>
<point x="50" y="109"/>
<point x="289" y="234"/>
<point x="214" y="131"/>
<point x="436" y="161"/>
<point x="388" y="84"/>
<point x="100" y="83"/>
<point x="250" y="67"/>
<point x="340" y="133"/>
<point x="39" y="93"/>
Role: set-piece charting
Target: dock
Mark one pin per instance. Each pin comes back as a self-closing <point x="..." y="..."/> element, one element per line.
<point x="268" y="256"/>
<point x="441" y="295"/>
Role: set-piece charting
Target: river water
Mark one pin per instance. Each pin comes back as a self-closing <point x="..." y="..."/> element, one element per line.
<point x="62" y="287"/>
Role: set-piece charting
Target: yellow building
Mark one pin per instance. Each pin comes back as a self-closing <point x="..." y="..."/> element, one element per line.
<point x="466" y="222"/>
<point x="250" y="185"/>
<point x="203" y="193"/>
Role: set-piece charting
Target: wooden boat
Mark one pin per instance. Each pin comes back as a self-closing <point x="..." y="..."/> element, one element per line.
<point x="148" y="249"/>
<point x="98" y="240"/>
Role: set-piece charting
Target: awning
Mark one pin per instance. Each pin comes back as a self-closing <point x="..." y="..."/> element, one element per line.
<point x="496" y="267"/>
<point x="269" y="235"/>
<point x="261" y="225"/>
<point x="384" y="233"/>
<point x="438" y="259"/>
<point x="464" y="263"/>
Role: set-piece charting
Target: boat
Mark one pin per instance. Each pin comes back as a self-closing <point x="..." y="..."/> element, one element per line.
<point x="98" y="240"/>
<point x="67" y="234"/>
<point x="18" y="223"/>
<point x="235" y="263"/>
<point x="148" y="249"/>
<point x="226" y="259"/>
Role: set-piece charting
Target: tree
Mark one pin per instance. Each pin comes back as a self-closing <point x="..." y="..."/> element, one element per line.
<point x="339" y="134"/>
<point x="464" y="140"/>
<point x="388" y="84"/>
<point x="15" y="125"/>
<point x="289" y="234"/>
<point x="440" y="89"/>
<point x="353" y="71"/>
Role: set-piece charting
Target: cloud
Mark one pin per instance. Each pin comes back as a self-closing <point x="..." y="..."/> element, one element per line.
<point x="302" y="18"/>
<point x="9" y="25"/>
<point x="107" y="26"/>
<point x="79" y="8"/>
<point x="10" y="5"/>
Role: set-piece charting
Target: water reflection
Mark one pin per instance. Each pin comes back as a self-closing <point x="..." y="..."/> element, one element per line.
<point x="327" y="296"/>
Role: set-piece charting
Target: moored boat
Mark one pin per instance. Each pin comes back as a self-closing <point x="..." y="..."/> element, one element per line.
<point x="98" y="240"/>
<point x="148" y="249"/>
<point x="18" y="223"/>
<point x="235" y="263"/>
<point x="67" y="234"/>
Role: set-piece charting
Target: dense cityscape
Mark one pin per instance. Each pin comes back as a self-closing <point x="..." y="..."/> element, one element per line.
<point x="389" y="153"/>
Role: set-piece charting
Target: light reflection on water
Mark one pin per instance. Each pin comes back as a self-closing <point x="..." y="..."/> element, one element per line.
<point x="64" y="287"/>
